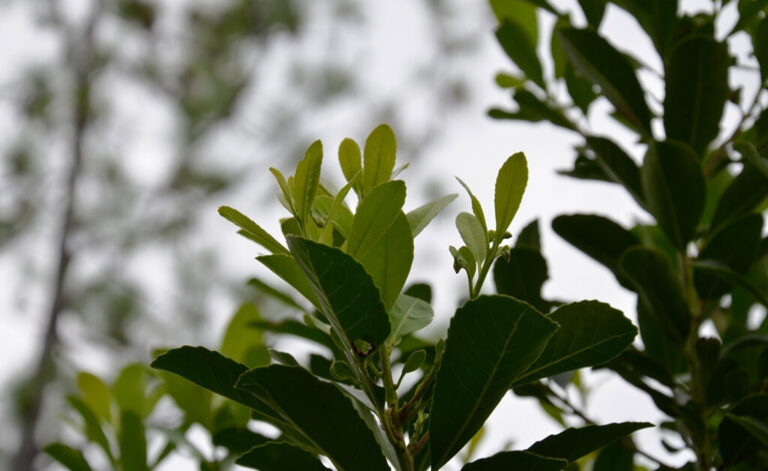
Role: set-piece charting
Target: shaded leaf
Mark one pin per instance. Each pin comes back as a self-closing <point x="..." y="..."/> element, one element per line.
<point x="514" y="460"/>
<point x="133" y="442"/>
<point x="521" y="274"/>
<point x="617" y="165"/>
<point x="574" y="443"/>
<point x="69" y="457"/>
<point x="243" y="343"/>
<point x="517" y="44"/>
<point x="277" y="456"/>
<point x="238" y="439"/>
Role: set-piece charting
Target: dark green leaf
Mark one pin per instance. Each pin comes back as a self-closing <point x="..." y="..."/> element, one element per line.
<point x="581" y="89"/>
<point x="749" y="13"/>
<point x="591" y="333"/>
<point x="696" y="91"/>
<point x="617" y="165"/>
<point x="68" y="457"/>
<point x="519" y="47"/>
<point x="514" y="460"/>
<point x="674" y="188"/>
<point x="420" y="290"/>
<point x="574" y="443"/>
<point x="320" y="412"/>
<point x="594" y="11"/>
<point x="491" y="341"/>
<point x="378" y="157"/>
<point x="421" y="216"/>
<point x="756" y="427"/>
<point x="657" y="17"/>
<point x="529" y="236"/>
<point x="133" y="442"/>
<point x="737" y="443"/>
<point x="659" y="289"/>
<point x="522" y="12"/>
<point x="531" y="108"/>
<point x="510" y="186"/>
<point x="597" y="60"/>
<point x="521" y="274"/>
<point x="238" y="439"/>
<point x="760" y="45"/>
<point x="277" y="456"/>
<point x="732" y="278"/>
<point x="389" y="260"/>
<point x="749" y="154"/>
<point x="615" y="457"/>
<point x="745" y="192"/>
<point x="376" y="212"/>
<point x="252" y="230"/>
<point x="347" y="295"/>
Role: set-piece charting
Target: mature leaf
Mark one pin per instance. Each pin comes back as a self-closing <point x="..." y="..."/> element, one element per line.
<point x="297" y="329"/>
<point x="591" y="333"/>
<point x="615" y="457"/>
<point x="284" y="266"/>
<point x="347" y="295"/>
<point x="696" y="91"/>
<point x="657" y="17"/>
<point x="238" y="439"/>
<point x="531" y="108"/>
<point x="513" y="460"/>
<point x="129" y="389"/>
<point x="350" y="161"/>
<point x="521" y="274"/>
<point x="378" y="157"/>
<point x="731" y="277"/>
<point x="133" y="442"/>
<point x="586" y="168"/>
<point x="734" y="247"/>
<point x="598" y="237"/>
<point x="193" y="400"/>
<point x="510" y="186"/>
<point x="91" y="425"/>
<point x="574" y="443"/>
<point x="389" y="260"/>
<point x="749" y="13"/>
<point x="319" y="411"/>
<point x="760" y="44"/>
<point x="756" y="427"/>
<point x="749" y="154"/>
<point x="674" y="189"/>
<point x="278" y="456"/>
<point x="581" y="89"/>
<point x="421" y="216"/>
<point x="518" y="45"/>
<point x="491" y="341"/>
<point x="69" y="457"/>
<point x="95" y="394"/>
<point x="275" y="293"/>
<point x="522" y="12"/>
<point x="738" y="443"/>
<point x="597" y="60"/>
<point x="376" y="212"/>
<point x="617" y="165"/>
<point x="242" y="342"/>
<point x="594" y="10"/>
<point x="473" y="235"/>
<point x="422" y="291"/>
<point x="307" y="180"/>
<point x="252" y="230"/>
<point x="659" y="289"/>
<point x="742" y="196"/>
<point x="408" y="315"/>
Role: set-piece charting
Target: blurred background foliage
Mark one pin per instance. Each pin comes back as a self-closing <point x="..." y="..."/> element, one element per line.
<point x="126" y="122"/>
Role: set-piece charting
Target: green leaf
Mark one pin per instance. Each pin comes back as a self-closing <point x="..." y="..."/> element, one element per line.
<point x="347" y="295"/>
<point x="287" y="194"/>
<point x="277" y="456"/>
<point x="521" y="274"/>
<point x="307" y="180"/>
<point x="749" y="154"/>
<point x="477" y="208"/>
<point x="517" y="43"/>
<point x="657" y="17"/>
<point x="594" y="10"/>
<point x="749" y="13"/>
<point x="389" y="260"/>
<point x="696" y="91"/>
<point x="91" y="426"/>
<point x="242" y="342"/>
<point x="421" y="216"/>
<point x="129" y="389"/>
<point x="615" y="457"/>
<point x="529" y="236"/>
<point x="284" y="266"/>
<point x="617" y="165"/>
<point x="463" y="259"/>
<point x="674" y="189"/>
<point x="376" y="212"/>
<point x="252" y="230"/>
<point x="574" y="443"/>
<point x="408" y="315"/>
<point x="378" y="157"/>
<point x="659" y="288"/>
<point x="597" y="236"/>
<point x="414" y="361"/>
<point x="513" y="460"/>
<point x="133" y="442"/>
<point x="473" y="235"/>
<point x="95" y="394"/>
<point x="238" y="439"/>
<point x="591" y="333"/>
<point x="748" y="190"/>
<point x="760" y="45"/>
<point x="275" y="293"/>
<point x="69" y="457"/>
<point x="510" y="186"/>
<point x="521" y="12"/>
<point x="581" y="89"/>
<point x="193" y="400"/>
<point x="320" y="412"/>
<point x="491" y="341"/>
<point x="597" y="60"/>
<point x="338" y="215"/>
<point x="756" y="427"/>
<point x="737" y="442"/>
<point x="531" y="108"/>
<point x="733" y="278"/>
<point x="351" y="162"/>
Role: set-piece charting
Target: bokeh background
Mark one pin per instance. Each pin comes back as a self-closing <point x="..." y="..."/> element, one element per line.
<point x="124" y="124"/>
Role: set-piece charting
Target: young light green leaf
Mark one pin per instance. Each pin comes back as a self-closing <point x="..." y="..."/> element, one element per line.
<point x="95" y="394"/>
<point x="252" y="230"/>
<point x="284" y="266"/>
<point x="351" y="162"/>
<point x="591" y="333"/>
<point x="521" y="12"/>
<point x="463" y="259"/>
<point x="193" y="400"/>
<point x="341" y="370"/>
<point x="477" y="208"/>
<point x="275" y="293"/>
<point x="129" y="389"/>
<point x="414" y="361"/>
<point x="408" y="315"/>
<point x="307" y="180"/>
<point x="346" y="293"/>
<point x="69" y="457"/>
<point x="242" y="342"/>
<point x="320" y="412"/>
<point x="133" y="442"/>
<point x="375" y="213"/>
<point x="696" y="91"/>
<point x="91" y="425"/>
<point x="473" y="235"/>
<point x="389" y="260"/>
<point x="420" y="217"/>
<point x="285" y="190"/>
<point x="378" y="157"/>
<point x="338" y="215"/>
<point x="516" y="460"/>
<point x="510" y="186"/>
<point x="491" y="341"/>
<point x="279" y="456"/>
<point x="674" y="188"/>
<point x="597" y="60"/>
<point x="574" y="443"/>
